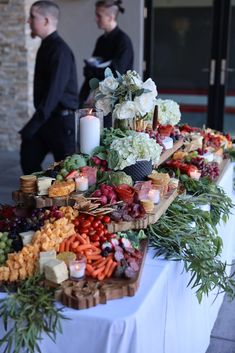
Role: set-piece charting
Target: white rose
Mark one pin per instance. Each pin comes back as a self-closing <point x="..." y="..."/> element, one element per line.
<point x="104" y="104"/>
<point x="125" y="110"/>
<point x="132" y="78"/>
<point x="144" y="103"/>
<point x="108" y="85"/>
<point x="149" y="84"/>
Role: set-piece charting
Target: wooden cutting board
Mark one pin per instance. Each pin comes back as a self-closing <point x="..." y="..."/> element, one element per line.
<point x="89" y="292"/>
<point x="150" y="218"/>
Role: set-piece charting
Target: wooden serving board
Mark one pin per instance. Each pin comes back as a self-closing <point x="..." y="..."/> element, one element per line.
<point x="89" y="292"/>
<point x="150" y="218"/>
<point x="33" y="200"/>
<point x="223" y="167"/>
<point x="166" y="154"/>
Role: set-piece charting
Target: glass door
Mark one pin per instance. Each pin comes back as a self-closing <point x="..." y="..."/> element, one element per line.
<point x="229" y="111"/>
<point x="186" y="44"/>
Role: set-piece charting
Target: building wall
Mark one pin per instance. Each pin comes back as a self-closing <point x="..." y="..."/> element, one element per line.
<point x="18" y="50"/>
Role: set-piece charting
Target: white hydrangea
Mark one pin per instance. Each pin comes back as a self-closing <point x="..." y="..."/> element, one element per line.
<point x="138" y="146"/>
<point x="168" y="112"/>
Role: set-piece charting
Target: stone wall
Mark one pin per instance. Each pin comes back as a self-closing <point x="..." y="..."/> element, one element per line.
<point x="16" y="58"/>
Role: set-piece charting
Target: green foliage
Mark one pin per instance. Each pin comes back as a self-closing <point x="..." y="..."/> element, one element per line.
<point x="27" y="314"/>
<point x="187" y="233"/>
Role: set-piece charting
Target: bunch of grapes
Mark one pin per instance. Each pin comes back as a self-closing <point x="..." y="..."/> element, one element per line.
<point x="156" y="136"/>
<point x="5" y="246"/>
<point x="175" y="135"/>
<point x="207" y="169"/>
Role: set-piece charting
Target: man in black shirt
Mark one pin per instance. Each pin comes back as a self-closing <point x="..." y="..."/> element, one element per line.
<point x="114" y="47"/>
<point x="52" y="127"/>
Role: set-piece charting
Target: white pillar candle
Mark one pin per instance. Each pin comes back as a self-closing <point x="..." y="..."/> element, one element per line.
<point x="81" y="183"/>
<point x="77" y="268"/>
<point x="154" y="195"/>
<point x="89" y="133"/>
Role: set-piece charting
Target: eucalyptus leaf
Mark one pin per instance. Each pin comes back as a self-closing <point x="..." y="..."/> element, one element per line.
<point x="108" y="72"/>
<point x="94" y="83"/>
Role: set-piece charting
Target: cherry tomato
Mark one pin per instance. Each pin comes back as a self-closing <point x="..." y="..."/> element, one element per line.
<point x="103" y="239"/>
<point x="91" y="232"/>
<point x="95" y="238"/>
<point x="83" y="230"/>
<point x="105" y="231"/>
<point x="106" y="219"/>
<point x="85" y="224"/>
<point x="81" y="217"/>
<point x="100" y="226"/>
<point x="90" y="218"/>
<point x="76" y="222"/>
<point x="95" y="224"/>
<point x="100" y="232"/>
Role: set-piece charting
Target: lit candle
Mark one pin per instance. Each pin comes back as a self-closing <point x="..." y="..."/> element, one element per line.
<point x="81" y="183"/>
<point x="154" y="195"/>
<point x="77" y="268"/>
<point x="196" y="174"/>
<point x="89" y="133"/>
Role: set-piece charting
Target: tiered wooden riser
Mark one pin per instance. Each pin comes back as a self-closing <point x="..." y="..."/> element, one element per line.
<point x="150" y="218"/>
<point x="33" y="200"/>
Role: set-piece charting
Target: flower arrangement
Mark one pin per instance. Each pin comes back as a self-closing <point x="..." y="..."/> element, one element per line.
<point x="168" y="112"/>
<point x="126" y="96"/>
<point x="128" y="150"/>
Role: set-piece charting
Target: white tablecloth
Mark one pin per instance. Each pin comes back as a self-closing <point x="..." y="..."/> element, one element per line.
<point x="163" y="317"/>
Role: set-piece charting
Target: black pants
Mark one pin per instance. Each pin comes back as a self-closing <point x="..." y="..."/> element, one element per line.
<point x="57" y="136"/>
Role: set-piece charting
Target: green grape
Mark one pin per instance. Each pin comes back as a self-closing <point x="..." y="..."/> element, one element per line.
<point x="59" y="177"/>
<point x="2" y="259"/>
<point x="2" y="245"/>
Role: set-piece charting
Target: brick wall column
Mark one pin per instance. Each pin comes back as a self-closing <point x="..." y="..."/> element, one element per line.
<point x="17" y="55"/>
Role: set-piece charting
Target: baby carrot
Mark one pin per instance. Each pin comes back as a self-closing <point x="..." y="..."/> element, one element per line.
<point x="94" y="257"/>
<point x="96" y="272"/>
<point x="62" y="246"/>
<point x="108" y="266"/>
<point x="101" y="276"/>
<point x="81" y="239"/>
<point x="83" y="247"/>
<point x="109" y="274"/>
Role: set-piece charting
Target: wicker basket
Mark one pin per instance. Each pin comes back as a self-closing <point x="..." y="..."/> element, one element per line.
<point x="139" y="171"/>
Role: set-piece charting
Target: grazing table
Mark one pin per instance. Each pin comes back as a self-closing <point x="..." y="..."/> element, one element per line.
<point x="164" y="316"/>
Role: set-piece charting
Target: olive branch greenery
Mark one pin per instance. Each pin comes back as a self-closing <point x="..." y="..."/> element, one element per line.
<point x="27" y="313"/>
<point x="187" y="233"/>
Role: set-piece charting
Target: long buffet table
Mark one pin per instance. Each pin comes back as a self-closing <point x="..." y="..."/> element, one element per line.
<point x="163" y="317"/>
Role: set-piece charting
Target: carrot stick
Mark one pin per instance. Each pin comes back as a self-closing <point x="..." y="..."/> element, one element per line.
<point x="83" y="247"/>
<point x="94" y="257"/>
<point x="97" y="262"/>
<point x="101" y="276"/>
<point x="96" y="272"/>
<point x="108" y="266"/>
<point x="67" y="245"/>
<point x="81" y="239"/>
<point x="89" y="268"/>
<point x="62" y="246"/>
<point x="75" y="245"/>
<point x="101" y="264"/>
<point x="109" y="274"/>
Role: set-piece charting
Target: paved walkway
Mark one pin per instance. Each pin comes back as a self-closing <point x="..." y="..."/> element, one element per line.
<point x="223" y="333"/>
